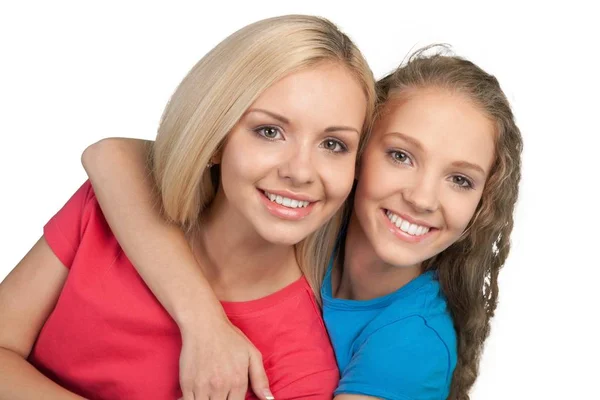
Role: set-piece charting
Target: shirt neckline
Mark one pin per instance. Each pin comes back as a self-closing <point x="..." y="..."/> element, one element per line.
<point x="378" y="302"/>
<point x="244" y="307"/>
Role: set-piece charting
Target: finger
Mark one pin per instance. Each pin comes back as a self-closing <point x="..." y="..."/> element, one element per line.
<point x="237" y="394"/>
<point x="220" y="395"/>
<point x="187" y="395"/>
<point x="217" y="390"/>
<point x="258" y="377"/>
<point x="239" y="389"/>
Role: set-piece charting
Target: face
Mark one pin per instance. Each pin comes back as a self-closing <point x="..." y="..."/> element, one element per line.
<point x="288" y="164"/>
<point x="422" y="174"/>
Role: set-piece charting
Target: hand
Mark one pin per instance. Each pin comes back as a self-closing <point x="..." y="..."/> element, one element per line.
<point x="216" y="363"/>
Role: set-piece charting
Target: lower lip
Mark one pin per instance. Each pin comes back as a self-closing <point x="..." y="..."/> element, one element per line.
<point x="400" y="234"/>
<point x="283" y="212"/>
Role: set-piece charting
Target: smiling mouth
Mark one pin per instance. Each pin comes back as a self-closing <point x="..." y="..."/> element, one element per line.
<point x="286" y="201"/>
<point x="286" y="208"/>
<point x="409" y="228"/>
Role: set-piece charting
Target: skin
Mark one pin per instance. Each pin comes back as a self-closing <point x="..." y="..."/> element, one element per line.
<point x="428" y="160"/>
<point x="301" y="160"/>
<point x="27" y="297"/>
<point x="306" y="130"/>
<point x="420" y="174"/>
<point x="413" y="164"/>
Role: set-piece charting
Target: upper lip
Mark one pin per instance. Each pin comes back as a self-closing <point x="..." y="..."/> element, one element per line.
<point x="291" y="195"/>
<point x="411" y="219"/>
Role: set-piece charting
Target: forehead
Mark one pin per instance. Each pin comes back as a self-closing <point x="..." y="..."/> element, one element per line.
<point x="448" y="124"/>
<point x="324" y="92"/>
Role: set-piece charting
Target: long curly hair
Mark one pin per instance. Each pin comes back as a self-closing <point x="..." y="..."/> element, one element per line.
<point x="468" y="270"/>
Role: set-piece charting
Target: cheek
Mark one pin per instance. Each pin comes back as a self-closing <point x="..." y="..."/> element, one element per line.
<point x="377" y="180"/>
<point x="233" y="165"/>
<point x="365" y="190"/>
<point x="238" y="162"/>
<point x="337" y="175"/>
<point x="459" y="211"/>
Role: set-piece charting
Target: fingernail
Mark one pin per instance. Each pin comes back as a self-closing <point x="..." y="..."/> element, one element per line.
<point x="268" y="394"/>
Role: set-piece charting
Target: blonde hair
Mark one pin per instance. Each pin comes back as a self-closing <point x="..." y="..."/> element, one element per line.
<point x="217" y="92"/>
<point x="468" y="270"/>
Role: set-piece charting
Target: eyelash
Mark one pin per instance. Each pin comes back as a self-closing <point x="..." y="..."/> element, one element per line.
<point x="260" y="129"/>
<point x="260" y="133"/>
<point x="342" y="145"/>
<point x="469" y="183"/>
<point x="391" y="155"/>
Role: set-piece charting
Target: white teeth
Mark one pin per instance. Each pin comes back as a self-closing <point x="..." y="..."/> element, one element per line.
<point x="285" y="201"/>
<point x="413" y="229"/>
<point x="405" y="226"/>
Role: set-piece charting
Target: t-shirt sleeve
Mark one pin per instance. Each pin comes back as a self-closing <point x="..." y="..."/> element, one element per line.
<point x="317" y="382"/>
<point x="403" y="360"/>
<point x="303" y="366"/>
<point x="64" y="230"/>
<point x="297" y="352"/>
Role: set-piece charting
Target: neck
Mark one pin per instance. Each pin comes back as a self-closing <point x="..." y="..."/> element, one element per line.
<point x="238" y="263"/>
<point x="364" y="274"/>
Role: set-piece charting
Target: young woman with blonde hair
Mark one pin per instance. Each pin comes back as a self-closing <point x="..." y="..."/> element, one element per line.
<point x="276" y="110"/>
<point x="412" y="286"/>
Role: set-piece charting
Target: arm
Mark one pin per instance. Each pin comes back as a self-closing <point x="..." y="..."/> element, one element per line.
<point x="126" y="193"/>
<point x="27" y="297"/>
<point x="216" y="361"/>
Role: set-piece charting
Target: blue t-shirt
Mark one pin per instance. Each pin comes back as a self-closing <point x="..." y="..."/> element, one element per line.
<point x="399" y="346"/>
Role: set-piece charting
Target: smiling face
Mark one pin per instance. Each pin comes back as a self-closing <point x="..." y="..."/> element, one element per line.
<point x="288" y="164"/>
<point x="422" y="174"/>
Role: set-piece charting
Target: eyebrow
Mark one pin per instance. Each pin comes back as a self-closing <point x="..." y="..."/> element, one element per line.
<point x="465" y="164"/>
<point x="417" y="144"/>
<point x="407" y="138"/>
<point x="286" y="121"/>
<point x="278" y="117"/>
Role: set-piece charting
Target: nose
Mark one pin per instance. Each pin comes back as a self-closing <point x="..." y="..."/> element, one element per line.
<point x="422" y="194"/>
<point x="299" y="167"/>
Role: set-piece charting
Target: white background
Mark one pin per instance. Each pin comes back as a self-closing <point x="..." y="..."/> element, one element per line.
<point x="74" y="72"/>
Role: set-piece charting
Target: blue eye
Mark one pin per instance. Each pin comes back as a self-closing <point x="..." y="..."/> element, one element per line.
<point x="400" y="157"/>
<point x="334" y="145"/>
<point x="269" y="132"/>
<point x="462" y="182"/>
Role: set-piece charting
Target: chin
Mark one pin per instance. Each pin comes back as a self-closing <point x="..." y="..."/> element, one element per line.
<point x="404" y="262"/>
<point x="400" y="258"/>
<point x="288" y="237"/>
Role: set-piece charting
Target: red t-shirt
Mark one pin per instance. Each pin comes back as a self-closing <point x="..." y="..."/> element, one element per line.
<point x="109" y="337"/>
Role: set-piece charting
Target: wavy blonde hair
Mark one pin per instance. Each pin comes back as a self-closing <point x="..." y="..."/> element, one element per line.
<point x="468" y="270"/>
<point x="216" y="93"/>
